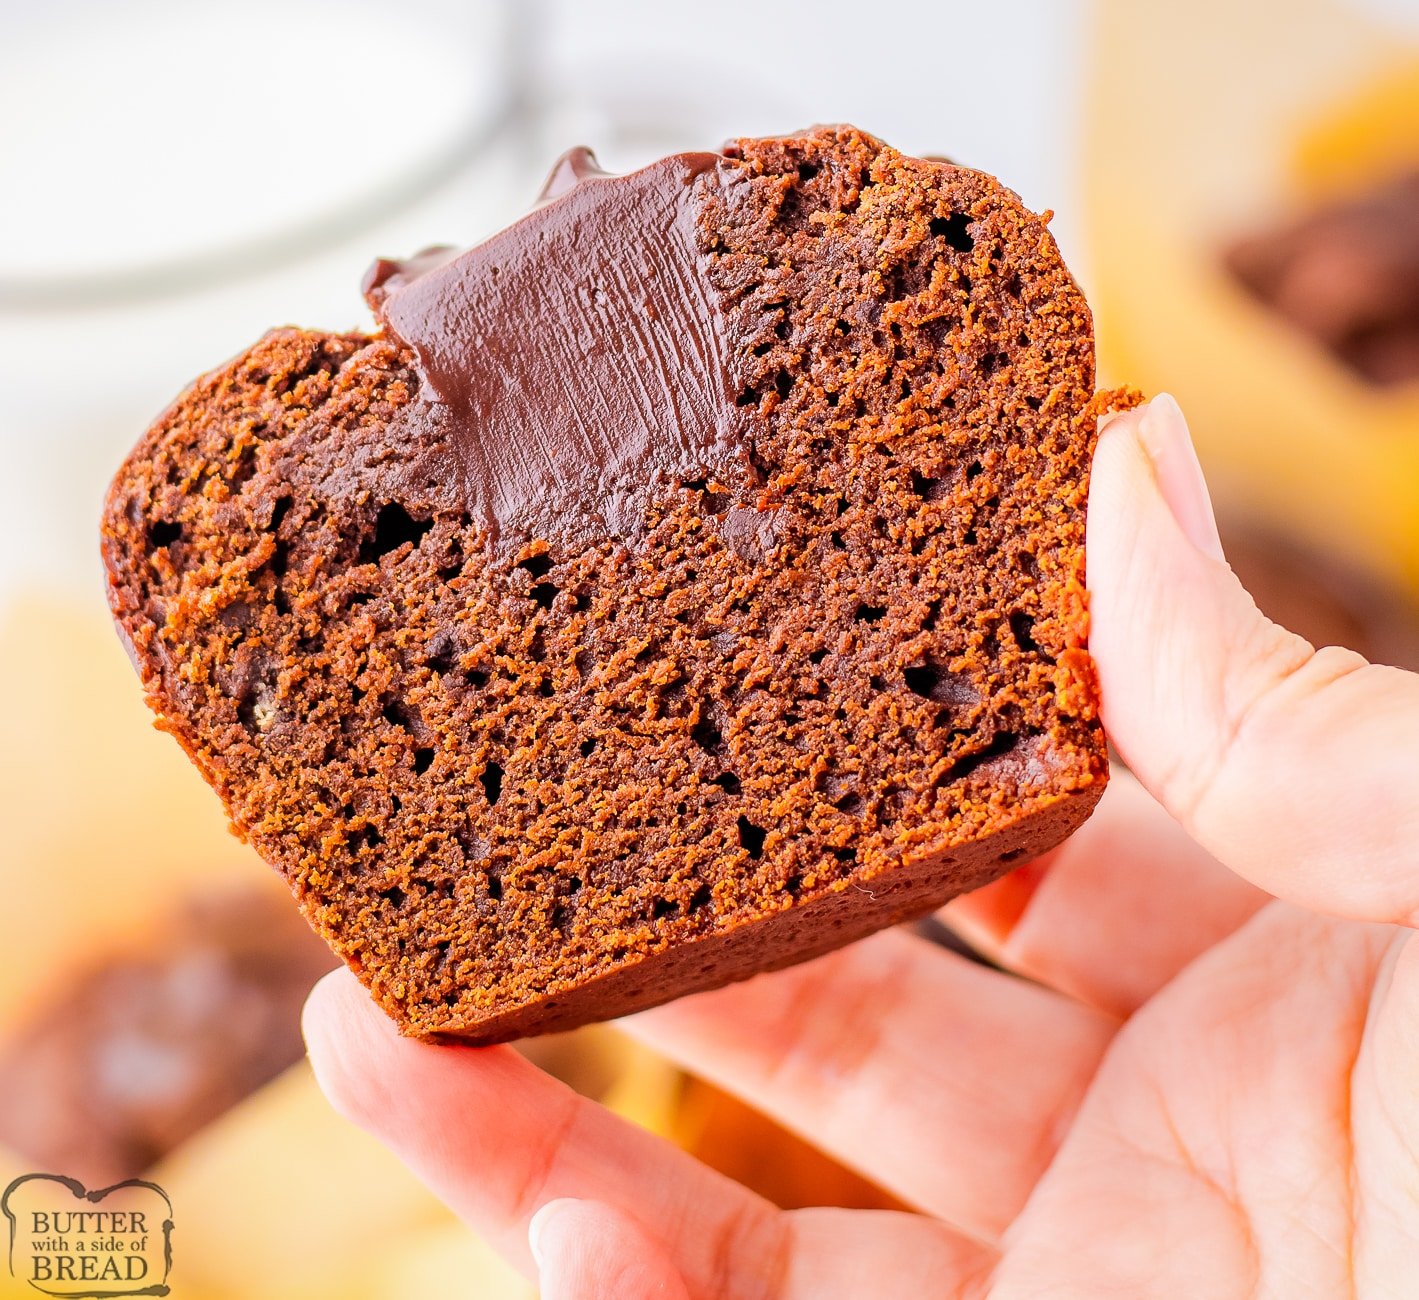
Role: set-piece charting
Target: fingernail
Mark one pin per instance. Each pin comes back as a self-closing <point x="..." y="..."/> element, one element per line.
<point x="1165" y="437"/>
<point x="535" y="1229"/>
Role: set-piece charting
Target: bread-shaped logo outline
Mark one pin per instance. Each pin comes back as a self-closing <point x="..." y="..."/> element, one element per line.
<point x="80" y="1193"/>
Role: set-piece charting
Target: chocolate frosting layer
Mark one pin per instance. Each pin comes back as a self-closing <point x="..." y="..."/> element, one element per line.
<point x="573" y="167"/>
<point x="386" y="274"/>
<point x="574" y="363"/>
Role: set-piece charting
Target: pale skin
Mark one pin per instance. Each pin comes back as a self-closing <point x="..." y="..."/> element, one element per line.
<point x="1208" y="1085"/>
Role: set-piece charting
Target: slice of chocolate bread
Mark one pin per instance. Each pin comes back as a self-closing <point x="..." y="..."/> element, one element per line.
<point x="685" y="582"/>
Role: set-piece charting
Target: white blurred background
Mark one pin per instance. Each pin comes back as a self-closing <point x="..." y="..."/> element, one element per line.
<point x="178" y="177"/>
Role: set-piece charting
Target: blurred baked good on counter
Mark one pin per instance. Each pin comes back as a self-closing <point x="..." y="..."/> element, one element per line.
<point x="1250" y="190"/>
<point x="143" y="1049"/>
<point x="1348" y="275"/>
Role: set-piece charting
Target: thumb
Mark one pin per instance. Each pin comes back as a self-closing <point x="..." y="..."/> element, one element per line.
<point x="1297" y="767"/>
<point x="586" y="1250"/>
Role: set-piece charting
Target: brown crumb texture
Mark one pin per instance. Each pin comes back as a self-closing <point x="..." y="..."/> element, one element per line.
<point x="519" y="789"/>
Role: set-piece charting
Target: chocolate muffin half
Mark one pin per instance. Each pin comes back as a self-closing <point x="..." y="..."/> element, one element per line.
<point x="685" y="582"/>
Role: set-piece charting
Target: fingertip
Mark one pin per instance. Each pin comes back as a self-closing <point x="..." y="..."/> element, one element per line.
<point x="1168" y="618"/>
<point x="349" y="1042"/>
<point x="1147" y="477"/>
<point x="319" y="1016"/>
<point x="1122" y="496"/>
<point x="544" y="1229"/>
<point x="1135" y="550"/>
<point x="1163" y="431"/>
<point x="325" y="1002"/>
<point x="1164" y="611"/>
<point x="340" y="1007"/>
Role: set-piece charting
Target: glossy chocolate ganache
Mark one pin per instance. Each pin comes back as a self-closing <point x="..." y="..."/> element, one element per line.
<point x="577" y="361"/>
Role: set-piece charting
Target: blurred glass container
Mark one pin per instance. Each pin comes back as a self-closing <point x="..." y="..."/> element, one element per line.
<point x="179" y="176"/>
<point x="1212" y="123"/>
<point x="209" y="149"/>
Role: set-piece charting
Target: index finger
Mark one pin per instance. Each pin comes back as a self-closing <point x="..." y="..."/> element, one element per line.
<point x="496" y="1140"/>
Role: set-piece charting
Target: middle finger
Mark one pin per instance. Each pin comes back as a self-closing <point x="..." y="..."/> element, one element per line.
<point x="948" y="1083"/>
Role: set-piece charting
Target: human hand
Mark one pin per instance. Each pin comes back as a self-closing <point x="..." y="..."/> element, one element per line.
<point x="1199" y="1091"/>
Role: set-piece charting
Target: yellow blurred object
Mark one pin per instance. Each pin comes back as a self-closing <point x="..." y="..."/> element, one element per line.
<point x="746" y="1145"/>
<point x="1372" y="135"/>
<point x="284" y="1199"/>
<point x="442" y="1260"/>
<point x="1210" y="121"/>
<point x="105" y="819"/>
<point x="646" y="1089"/>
